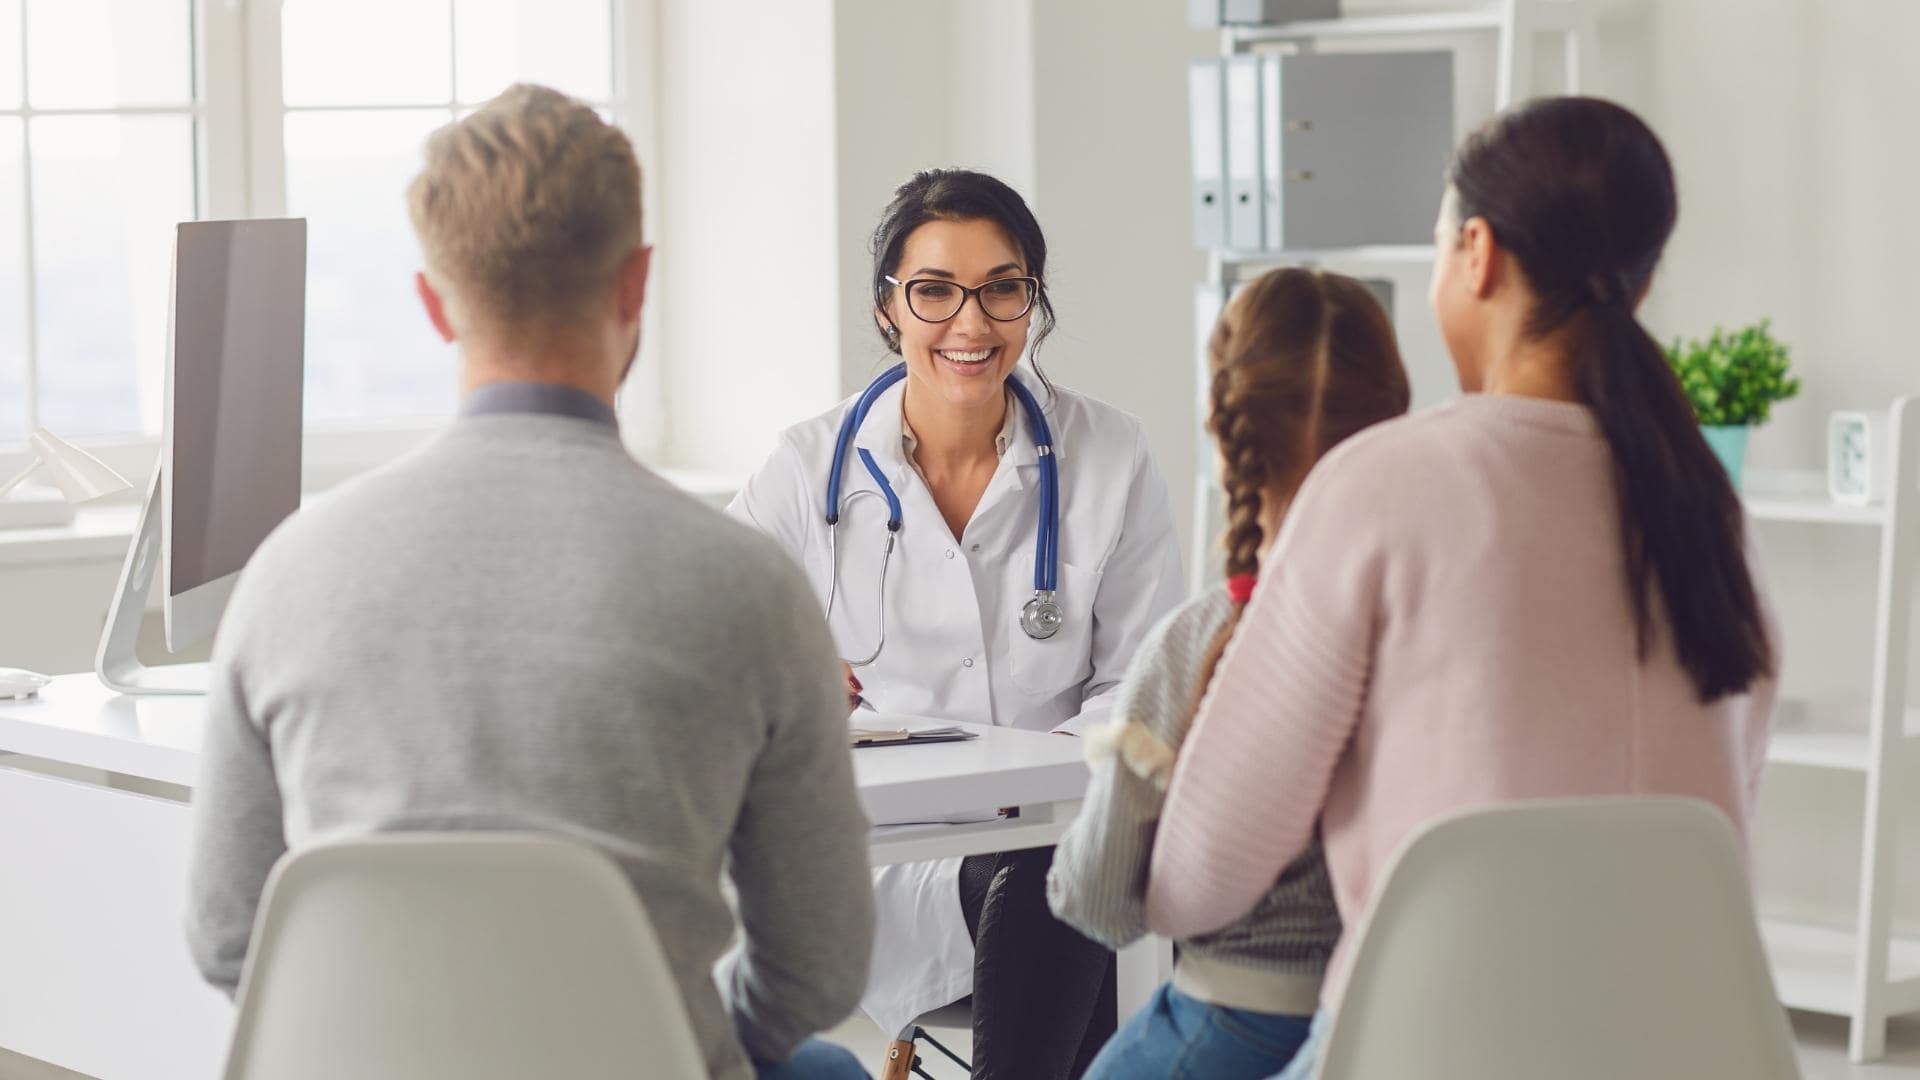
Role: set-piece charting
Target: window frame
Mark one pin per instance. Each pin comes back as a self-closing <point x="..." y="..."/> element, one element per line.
<point x="239" y="111"/>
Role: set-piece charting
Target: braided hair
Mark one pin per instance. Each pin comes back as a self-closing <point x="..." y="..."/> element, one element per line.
<point x="1299" y="360"/>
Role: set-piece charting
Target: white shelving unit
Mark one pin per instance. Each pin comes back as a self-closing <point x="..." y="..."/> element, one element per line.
<point x="1865" y="974"/>
<point x="1516" y="25"/>
<point x="1813" y="509"/>
<point x="1516" y="21"/>
<point x="1418" y="254"/>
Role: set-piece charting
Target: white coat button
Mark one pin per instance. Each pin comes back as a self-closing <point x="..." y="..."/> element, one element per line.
<point x="968" y="662"/>
<point x="949" y="553"/>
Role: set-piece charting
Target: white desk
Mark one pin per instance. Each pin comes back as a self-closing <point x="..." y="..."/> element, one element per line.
<point x="94" y="827"/>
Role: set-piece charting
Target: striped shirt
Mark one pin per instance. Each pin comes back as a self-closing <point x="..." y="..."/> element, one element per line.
<point x="1272" y="959"/>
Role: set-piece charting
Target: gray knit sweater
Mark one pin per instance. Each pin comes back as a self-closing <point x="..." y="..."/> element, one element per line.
<point x="1271" y="960"/>
<point x="519" y="627"/>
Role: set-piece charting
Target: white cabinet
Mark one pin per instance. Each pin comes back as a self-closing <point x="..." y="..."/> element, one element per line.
<point x="1866" y="974"/>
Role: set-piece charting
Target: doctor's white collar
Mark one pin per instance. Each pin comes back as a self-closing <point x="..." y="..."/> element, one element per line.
<point x="909" y="442"/>
<point x="878" y="434"/>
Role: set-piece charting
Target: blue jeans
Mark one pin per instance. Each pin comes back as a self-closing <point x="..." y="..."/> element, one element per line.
<point x="1176" y="1037"/>
<point x="817" y="1059"/>
<point x="1308" y="1056"/>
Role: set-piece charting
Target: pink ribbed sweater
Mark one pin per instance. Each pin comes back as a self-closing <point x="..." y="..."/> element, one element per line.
<point x="1442" y="623"/>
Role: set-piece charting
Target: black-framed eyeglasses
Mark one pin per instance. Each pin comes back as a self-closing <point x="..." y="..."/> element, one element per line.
<point x="936" y="300"/>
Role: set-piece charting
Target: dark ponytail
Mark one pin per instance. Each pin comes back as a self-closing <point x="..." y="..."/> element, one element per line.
<point x="1581" y="193"/>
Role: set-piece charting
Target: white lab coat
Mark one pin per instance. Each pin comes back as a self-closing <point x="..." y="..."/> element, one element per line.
<point x="954" y="647"/>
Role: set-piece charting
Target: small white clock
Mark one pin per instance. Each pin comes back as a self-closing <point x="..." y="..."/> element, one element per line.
<point x="1859" y="470"/>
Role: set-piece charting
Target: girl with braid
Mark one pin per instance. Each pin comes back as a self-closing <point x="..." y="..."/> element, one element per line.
<point x="1299" y="360"/>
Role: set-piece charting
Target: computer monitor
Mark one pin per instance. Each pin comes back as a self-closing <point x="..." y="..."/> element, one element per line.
<point x="230" y="455"/>
<point x="229" y="468"/>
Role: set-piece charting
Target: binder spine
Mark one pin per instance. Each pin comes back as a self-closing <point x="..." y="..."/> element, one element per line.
<point x="1273" y="202"/>
<point x="1206" y="95"/>
<point x="1243" y="121"/>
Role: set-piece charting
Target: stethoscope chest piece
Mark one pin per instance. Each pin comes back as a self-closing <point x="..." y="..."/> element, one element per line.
<point x="1041" y="618"/>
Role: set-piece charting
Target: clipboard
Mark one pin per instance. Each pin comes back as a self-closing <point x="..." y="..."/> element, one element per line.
<point x="870" y="727"/>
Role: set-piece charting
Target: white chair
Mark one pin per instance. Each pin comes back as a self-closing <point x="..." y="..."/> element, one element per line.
<point x="472" y="956"/>
<point x="1575" y="939"/>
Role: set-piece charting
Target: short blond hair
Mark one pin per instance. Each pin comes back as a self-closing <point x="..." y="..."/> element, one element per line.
<point x="527" y="208"/>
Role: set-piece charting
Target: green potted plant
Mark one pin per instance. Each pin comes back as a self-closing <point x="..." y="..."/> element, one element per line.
<point x="1733" y="379"/>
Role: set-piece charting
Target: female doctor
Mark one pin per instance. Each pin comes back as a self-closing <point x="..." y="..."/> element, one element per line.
<point x="989" y="548"/>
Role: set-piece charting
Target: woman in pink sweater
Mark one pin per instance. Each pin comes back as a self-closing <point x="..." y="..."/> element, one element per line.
<point x="1540" y="589"/>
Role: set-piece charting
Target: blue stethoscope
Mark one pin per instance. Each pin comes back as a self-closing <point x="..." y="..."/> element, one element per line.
<point x="1041" y="618"/>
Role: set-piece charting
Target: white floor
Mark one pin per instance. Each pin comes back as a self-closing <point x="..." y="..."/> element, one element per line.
<point x="1823" y="1050"/>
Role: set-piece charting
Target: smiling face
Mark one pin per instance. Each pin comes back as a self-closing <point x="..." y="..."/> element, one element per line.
<point x="964" y="362"/>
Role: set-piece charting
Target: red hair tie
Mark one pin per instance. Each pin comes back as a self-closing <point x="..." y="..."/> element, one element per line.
<point x="1240" y="587"/>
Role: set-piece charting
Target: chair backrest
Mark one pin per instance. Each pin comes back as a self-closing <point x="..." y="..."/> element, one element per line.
<point x="1574" y="939"/>
<point x="469" y="955"/>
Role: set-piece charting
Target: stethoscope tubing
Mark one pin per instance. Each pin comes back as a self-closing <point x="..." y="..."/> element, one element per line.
<point x="1046" y="554"/>
<point x="849" y="426"/>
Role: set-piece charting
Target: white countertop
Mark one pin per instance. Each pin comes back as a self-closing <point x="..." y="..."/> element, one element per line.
<point x="1003" y="767"/>
<point x="77" y="721"/>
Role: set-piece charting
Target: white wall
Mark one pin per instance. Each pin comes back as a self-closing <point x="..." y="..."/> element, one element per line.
<point x="52" y="614"/>
<point x="1111" y="189"/>
<point x="747" y="228"/>
<point x="892" y="102"/>
<point x="920" y="86"/>
<point x="781" y="139"/>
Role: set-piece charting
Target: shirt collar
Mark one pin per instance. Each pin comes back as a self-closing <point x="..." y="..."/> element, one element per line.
<point x="884" y="434"/>
<point x="544" y="399"/>
<point x="1008" y="428"/>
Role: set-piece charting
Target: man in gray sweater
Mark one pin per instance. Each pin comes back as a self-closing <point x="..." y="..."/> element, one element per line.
<point x="520" y="627"/>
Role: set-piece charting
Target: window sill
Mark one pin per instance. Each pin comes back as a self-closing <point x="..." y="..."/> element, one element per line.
<point x="100" y="532"/>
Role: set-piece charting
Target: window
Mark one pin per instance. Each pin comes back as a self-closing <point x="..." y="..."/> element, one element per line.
<point x="120" y="117"/>
<point x="97" y="135"/>
<point x="352" y="133"/>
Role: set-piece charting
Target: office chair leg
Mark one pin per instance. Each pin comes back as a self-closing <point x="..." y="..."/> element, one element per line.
<point x="903" y="1060"/>
<point x="923" y="1033"/>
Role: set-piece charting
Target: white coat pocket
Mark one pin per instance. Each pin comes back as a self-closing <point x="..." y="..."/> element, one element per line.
<point x="1045" y="668"/>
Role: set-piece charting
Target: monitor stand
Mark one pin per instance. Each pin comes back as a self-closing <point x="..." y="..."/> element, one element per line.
<point x="117" y="663"/>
